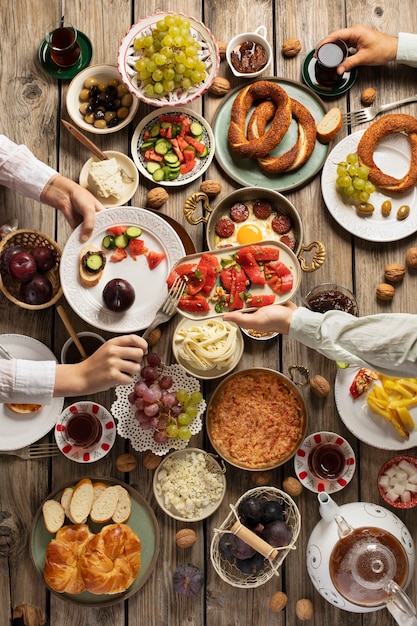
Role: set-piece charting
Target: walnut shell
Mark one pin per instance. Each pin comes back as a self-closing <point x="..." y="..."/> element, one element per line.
<point x="411" y="258"/>
<point x="126" y="463"/>
<point x="292" y="486"/>
<point x="154" y="336"/>
<point x="185" y="538"/>
<point x="157" y="197"/>
<point x="368" y="95"/>
<point x="304" y="609"/>
<point x="385" y="292"/>
<point x="211" y="188"/>
<point x="394" y="272"/>
<point x="151" y="460"/>
<point x="320" y="386"/>
<point x="219" y="87"/>
<point x="278" y="601"/>
<point x="222" y="49"/>
<point x="291" y="47"/>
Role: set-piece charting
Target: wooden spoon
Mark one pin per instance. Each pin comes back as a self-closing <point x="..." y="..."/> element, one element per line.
<point x="71" y="331"/>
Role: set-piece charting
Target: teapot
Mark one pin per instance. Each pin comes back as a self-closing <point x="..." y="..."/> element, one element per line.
<point x="360" y="557"/>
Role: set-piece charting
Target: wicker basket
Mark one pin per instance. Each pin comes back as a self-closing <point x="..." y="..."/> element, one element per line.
<point x="29" y="239"/>
<point x="227" y="569"/>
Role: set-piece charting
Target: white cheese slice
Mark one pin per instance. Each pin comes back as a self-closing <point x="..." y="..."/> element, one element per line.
<point x="105" y="179"/>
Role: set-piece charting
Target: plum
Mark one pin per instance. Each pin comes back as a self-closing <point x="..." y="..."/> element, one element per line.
<point x="240" y="549"/>
<point x="225" y="544"/>
<point x="249" y="511"/>
<point x="44" y="258"/>
<point x="36" y="291"/>
<point x="7" y="255"/>
<point x="118" y="295"/>
<point x="277" y="534"/>
<point x="22" y="267"/>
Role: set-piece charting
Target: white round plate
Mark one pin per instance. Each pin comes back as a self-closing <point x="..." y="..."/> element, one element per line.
<point x="308" y="479"/>
<point x="17" y="431"/>
<point x="129" y="427"/>
<point x="149" y="285"/>
<point x="364" y="423"/>
<point x="391" y="155"/>
<point x="146" y="125"/>
<point x="214" y="372"/>
<point x="99" y="449"/>
<point x="129" y="187"/>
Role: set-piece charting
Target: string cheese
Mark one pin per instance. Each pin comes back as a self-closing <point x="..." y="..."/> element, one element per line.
<point x="210" y="344"/>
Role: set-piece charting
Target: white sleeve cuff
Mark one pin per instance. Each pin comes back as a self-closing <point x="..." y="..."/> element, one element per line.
<point x="407" y="49"/>
<point x="27" y="381"/>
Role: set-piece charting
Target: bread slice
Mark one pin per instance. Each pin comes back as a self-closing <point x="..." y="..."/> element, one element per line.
<point x="329" y="125"/>
<point x="98" y="490"/>
<point x="81" y="501"/>
<point x="105" y="505"/>
<point x="53" y="515"/>
<point x="124" y="506"/>
<point x="66" y="501"/>
<point x="90" y="279"/>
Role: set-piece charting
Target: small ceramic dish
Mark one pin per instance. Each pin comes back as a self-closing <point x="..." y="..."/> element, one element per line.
<point x="129" y="172"/>
<point x="302" y="465"/>
<point x="397" y="482"/>
<point x="258" y="39"/>
<point x="90" y="342"/>
<point x="258" y="335"/>
<point x="173" y="479"/>
<point x="99" y="449"/>
<point x="223" y="367"/>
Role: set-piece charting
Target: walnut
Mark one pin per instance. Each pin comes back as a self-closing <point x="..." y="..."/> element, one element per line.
<point x="185" y="538"/>
<point x="291" y="47"/>
<point x="278" y="601"/>
<point x="262" y="478"/>
<point x="368" y="95"/>
<point x="157" y="197"/>
<point x="126" y="463"/>
<point x="292" y="486"/>
<point x="394" y="272"/>
<point x="211" y="188"/>
<point x="222" y="49"/>
<point x="154" y="336"/>
<point x="151" y="460"/>
<point x="319" y="386"/>
<point x="411" y="258"/>
<point x="219" y="87"/>
<point x="385" y="292"/>
<point x="304" y="609"/>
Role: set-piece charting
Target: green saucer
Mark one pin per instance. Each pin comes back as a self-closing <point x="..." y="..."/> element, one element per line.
<point x="66" y="72"/>
<point x="348" y="79"/>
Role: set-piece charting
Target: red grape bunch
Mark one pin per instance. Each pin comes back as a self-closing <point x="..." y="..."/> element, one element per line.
<point x="159" y="408"/>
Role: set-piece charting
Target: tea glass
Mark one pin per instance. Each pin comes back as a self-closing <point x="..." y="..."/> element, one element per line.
<point x="64" y="48"/>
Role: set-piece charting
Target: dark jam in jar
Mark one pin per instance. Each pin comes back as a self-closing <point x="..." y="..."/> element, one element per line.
<point x="90" y="345"/>
<point x="331" y="300"/>
<point x="249" y="57"/>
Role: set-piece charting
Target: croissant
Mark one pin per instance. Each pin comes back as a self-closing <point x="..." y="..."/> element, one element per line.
<point x="61" y="571"/>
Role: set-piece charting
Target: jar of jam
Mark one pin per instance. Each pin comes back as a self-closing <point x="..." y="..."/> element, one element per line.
<point x="249" y="54"/>
<point x="331" y="297"/>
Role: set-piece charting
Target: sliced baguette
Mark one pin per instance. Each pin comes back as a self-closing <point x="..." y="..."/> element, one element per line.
<point x="124" y="506"/>
<point x="81" y="501"/>
<point x="329" y="125"/>
<point x="105" y="505"/>
<point x="89" y="279"/>
<point x="98" y="490"/>
<point x="66" y="501"/>
<point x="53" y="515"/>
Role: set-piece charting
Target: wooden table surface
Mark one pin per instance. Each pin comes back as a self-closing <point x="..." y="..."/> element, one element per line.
<point x="33" y="104"/>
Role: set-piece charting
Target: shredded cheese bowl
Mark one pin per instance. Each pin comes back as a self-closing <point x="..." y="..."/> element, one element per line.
<point x="207" y="348"/>
<point x="256" y="419"/>
<point x="189" y="485"/>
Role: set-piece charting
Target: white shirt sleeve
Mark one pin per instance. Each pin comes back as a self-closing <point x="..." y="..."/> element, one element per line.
<point x="386" y="343"/>
<point x="27" y="381"/>
<point x="21" y="171"/>
<point x="407" y="49"/>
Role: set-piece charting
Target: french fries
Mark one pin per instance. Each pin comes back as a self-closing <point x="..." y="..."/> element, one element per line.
<point x="392" y="400"/>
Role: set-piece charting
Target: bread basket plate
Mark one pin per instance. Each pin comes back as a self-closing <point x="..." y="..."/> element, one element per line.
<point x="19" y="430"/>
<point x="149" y="284"/>
<point x="392" y="155"/>
<point x="246" y="171"/>
<point x="364" y="423"/>
<point x="142" y="521"/>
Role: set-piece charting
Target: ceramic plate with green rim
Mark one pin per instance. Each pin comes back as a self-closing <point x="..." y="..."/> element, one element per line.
<point x="246" y="172"/>
<point x="142" y="521"/>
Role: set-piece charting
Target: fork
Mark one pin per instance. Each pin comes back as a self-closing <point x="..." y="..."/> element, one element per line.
<point x="169" y="305"/>
<point x="368" y="114"/>
<point x="34" y="451"/>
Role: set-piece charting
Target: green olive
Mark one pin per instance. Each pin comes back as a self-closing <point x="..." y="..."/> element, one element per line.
<point x="90" y="82"/>
<point x="403" y="212"/>
<point x="365" y="208"/>
<point x="83" y="108"/>
<point x="100" y="123"/>
<point x="386" y="207"/>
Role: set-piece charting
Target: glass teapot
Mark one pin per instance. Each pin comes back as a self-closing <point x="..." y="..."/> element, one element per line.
<point x="366" y="567"/>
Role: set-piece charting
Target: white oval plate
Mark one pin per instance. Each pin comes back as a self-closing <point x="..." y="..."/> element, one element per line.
<point x="150" y="286"/>
<point x="392" y="154"/>
<point x="17" y="431"/>
<point x="129" y="187"/>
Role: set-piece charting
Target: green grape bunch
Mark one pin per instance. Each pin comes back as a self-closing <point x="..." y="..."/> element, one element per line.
<point x="352" y="181"/>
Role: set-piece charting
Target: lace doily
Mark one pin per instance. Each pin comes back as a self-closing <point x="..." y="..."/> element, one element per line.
<point x="128" y="426"/>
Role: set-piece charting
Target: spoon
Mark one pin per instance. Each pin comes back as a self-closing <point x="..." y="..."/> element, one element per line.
<point x="64" y="317"/>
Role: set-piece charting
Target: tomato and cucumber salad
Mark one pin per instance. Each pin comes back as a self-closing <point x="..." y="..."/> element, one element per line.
<point x="123" y="241"/>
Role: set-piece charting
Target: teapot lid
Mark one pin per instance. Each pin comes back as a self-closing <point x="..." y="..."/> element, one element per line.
<point x="373" y="564"/>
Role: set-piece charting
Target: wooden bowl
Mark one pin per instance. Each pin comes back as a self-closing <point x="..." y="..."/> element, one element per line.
<point x="29" y="239"/>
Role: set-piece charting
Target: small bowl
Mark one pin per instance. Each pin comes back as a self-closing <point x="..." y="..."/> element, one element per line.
<point x="388" y="466"/>
<point x="257" y="335"/>
<point x="129" y="187"/>
<point x="127" y="57"/>
<point x="258" y="36"/>
<point x="29" y="239"/>
<point x="90" y="342"/>
<point x="331" y="297"/>
<point x="103" y="73"/>
<point x="184" y="477"/>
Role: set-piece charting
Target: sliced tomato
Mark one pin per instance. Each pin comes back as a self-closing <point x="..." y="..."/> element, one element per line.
<point x="187" y="166"/>
<point x="118" y="255"/>
<point x="185" y="127"/>
<point x="261" y="300"/>
<point x="194" y="304"/>
<point x="151" y="155"/>
<point x="280" y="284"/>
<point x="247" y="261"/>
<point x="263" y="253"/>
<point x="189" y="154"/>
<point x="154" y="258"/>
<point x="238" y="288"/>
<point x="169" y="134"/>
<point x="167" y="118"/>
<point x="211" y="264"/>
<point x="178" y="153"/>
<point x="116" y="230"/>
<point x="226" y="278"/>
<point x="137" y="247"/>
<point x="277" y="267"/>
<point x="196" y="281"/>
<point x="198" y="145"/>
<point x="182" y="144"/>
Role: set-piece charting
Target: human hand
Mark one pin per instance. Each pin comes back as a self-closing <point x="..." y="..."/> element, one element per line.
<point x="274" y="318"/>
<point x="76" y="203"/>
<point x="114" y="363"/>
<point x="372" y="47"/>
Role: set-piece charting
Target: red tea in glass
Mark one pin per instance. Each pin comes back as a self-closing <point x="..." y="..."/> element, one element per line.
<point x="63" y="45"/>
<point x="327" y="461"/>
<point x="83" y="430"/>
<point x="329" y="56"/>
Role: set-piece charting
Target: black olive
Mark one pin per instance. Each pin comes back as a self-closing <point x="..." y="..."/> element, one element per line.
<point x="113" y="122"/>
<point x="95" y="103"/>
<point x="88" y="109"/>
<point x="110" y="106"/>
<point x="99" y="114"/>
<point x="111" y="91"/>
<point x="93" y="91"/>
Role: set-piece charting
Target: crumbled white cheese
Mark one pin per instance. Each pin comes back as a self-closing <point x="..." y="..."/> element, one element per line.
<point x="105" y="178"/>
<point x="188" y="486"/>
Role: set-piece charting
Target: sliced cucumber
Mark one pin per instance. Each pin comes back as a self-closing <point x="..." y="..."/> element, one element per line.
<point x="133" y="231"/>
<point x="158" y="175"/>
<point x="108" y="242"/>
<point x="155" y="130"/>
<point x="94" y="262"/>
<point x="196" y="129"/>
<point x="152" y="166"/>
<point x="171" y="158"/>
<point x="148" y="144"/>
<point x="121" y="241"/>
<point x="204" y="153"/>
<point x="162" y="146"/>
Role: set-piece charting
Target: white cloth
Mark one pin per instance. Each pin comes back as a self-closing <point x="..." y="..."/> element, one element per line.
<point x="407" y="49"/>
<point x="386" y="343"/>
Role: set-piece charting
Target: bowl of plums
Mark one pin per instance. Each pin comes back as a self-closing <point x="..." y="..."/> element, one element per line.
<point x="29" y="269"/>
